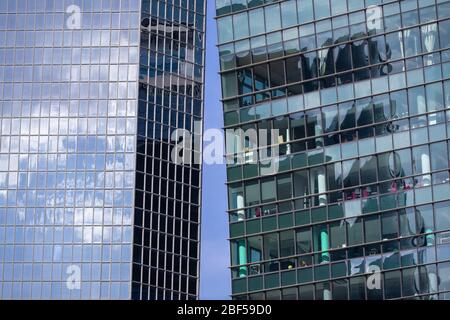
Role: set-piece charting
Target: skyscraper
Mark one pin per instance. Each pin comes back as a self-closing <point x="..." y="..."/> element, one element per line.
<point x="358" y="92"/>
<point x="91" y="205"/>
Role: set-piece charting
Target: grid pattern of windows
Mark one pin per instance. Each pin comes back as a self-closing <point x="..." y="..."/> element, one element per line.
<point x="167" y="214"/>
<point x="68" y="113"/>
<point x="91" y="92"/>
<point x="328" y="66"/>
<point x="361" y="109"/>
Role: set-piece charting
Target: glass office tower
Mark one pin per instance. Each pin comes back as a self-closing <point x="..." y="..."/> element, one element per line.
<point x="359" y="93"/>
<point x="90" y="205"/>
<point x="167" y="216"/>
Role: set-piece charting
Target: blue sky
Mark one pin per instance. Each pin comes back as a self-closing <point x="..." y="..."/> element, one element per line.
<point x="214" y="273"/>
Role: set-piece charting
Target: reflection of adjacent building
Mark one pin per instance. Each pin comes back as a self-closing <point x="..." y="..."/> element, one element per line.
<point x="173" y="72"/>
<point x="168" y="197"/>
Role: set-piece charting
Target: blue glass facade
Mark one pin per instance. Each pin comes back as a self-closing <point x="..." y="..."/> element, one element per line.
<point x="69" y="93"/>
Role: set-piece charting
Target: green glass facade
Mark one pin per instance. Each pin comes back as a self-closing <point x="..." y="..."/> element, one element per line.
<point x="359" y="92"/>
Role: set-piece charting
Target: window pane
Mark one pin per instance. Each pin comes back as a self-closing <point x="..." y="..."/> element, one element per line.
<point x="342" y="54"/>
<point x="444" y="33"/>
<point x="284" y="187"/>
<point x="287" y="243"/>
<point x="297" y="126"/>
<point x="382" y="108"/>
<point x="444" y="275"/>
<point x="412" y="42"/>
<point x="368" y="169"/>
<point x="314" y="123"/>
<point x="256" y="18"/>
<point x="407" y="223"/>
<point x="303" y="240"/>
<point x="403" y="166"/>
<point x="392" y="284"/>
<point x="235" y="252"/>
<point x="340" y="287"/>
<point x="354" y="230"/>
<point x="282" y="125"/>
<point x="301" y="183"/>
<point x="239" y="4"/>
<point x="236" y="195"/>
<point x="277" y="77"/>
<point x="334" y="176"/>
<point x="364" y="117"/>
<point x="224" y="29"/>
<point x="318" y="182"/>
<point x="417" y="102"/>
<point x="358" y="288"/>
<point x="240" y="25"/>
<point x="394" y="41"/>
<point x="268" y="190"/>
<point x="223" y="7"/>
<point x="289" y="294"/>
<point x="389" y="225"/>
<point x="272" y="14"/>
<point x="321" y="8"/>
<point x="424" y="218"/>
<point x="372" y="228"/>
<point x="289" y="13"/>
<point x="360" y="59"/>
<point x="330" y="118"/>
<point x="306" y="292"/>
<point x="251" y="193"/>
<point x="261" y="77"/>
<point x="399" y="104"/>
<point x="245" y="81"/>
<point x="430" y="38"/>
<point x="435" y="98"/>
<point x="293" y="69"/>
<point x="442" y="216"/>
<point x="229" y="85"/>
<point x="337" y="235"/>
<point x="439" y="157"/>
<point x="350" y="171"/>
<point x="422" y="164"/>
<point x="254" y="249"/>
<point x="271" y="246"/>
<point x="305" y="10"/>
<point x="338" y="7"/>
